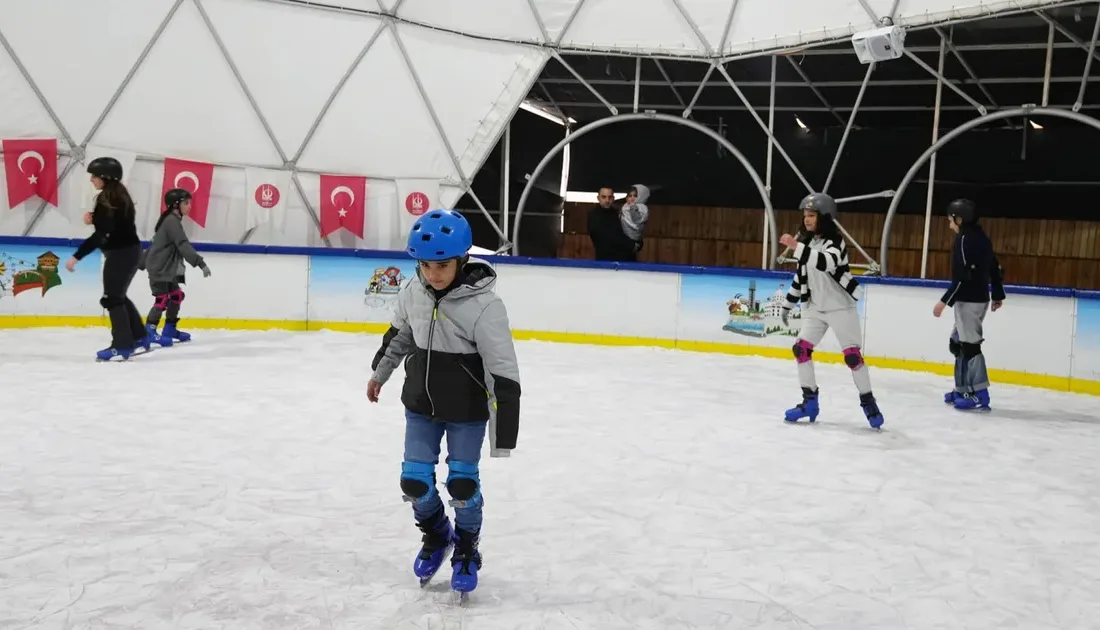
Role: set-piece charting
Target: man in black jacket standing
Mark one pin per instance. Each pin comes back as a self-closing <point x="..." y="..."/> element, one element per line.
<point x="974" y="267"/>
<point x="605" y="228"/>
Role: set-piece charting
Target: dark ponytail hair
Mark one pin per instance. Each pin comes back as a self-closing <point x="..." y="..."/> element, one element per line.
<point x="164" y="215"/>
<point x="115" y="198"/>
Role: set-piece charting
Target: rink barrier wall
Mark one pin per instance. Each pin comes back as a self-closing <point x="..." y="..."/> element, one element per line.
<point x="1044" y="337"/>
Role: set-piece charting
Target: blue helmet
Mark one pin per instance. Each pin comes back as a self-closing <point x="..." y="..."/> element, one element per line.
<point x="440" y="235"/>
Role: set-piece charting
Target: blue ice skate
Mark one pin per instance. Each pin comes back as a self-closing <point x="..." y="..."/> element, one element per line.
<point x="156" y="337"/>
<point x="870" y="409"/>
<point x="950" y="397"/>
<point x="465" y="562"/>
<point x="438" y="541"/>
<point x="808" y="408"/>
<point x="976" y="401"/>
<point x="171" y="332"/>
<point x="108" y="354"/>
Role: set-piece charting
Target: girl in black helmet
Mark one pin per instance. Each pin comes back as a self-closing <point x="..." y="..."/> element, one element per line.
<point x="116" y="236"/>
<point x="164" y="263"/>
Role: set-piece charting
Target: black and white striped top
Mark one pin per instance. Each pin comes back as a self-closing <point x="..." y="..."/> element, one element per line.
<point x="826" y="256"/>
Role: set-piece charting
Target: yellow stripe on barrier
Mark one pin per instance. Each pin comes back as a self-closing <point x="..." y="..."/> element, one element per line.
<point x="1010" y="377"/>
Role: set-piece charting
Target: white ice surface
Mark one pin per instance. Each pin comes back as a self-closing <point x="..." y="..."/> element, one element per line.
<point x="245" y="482"/>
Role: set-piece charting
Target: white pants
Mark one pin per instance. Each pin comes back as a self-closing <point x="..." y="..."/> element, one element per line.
<point x="845" y="326"/>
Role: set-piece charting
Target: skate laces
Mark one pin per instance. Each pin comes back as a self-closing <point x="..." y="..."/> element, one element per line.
<point x="466" y="552"/>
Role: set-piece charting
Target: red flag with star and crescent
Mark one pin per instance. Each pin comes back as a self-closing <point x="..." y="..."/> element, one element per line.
<point x="30" y="168"/>
<point x="343" y="204"/>
<point x="194" y="177"/>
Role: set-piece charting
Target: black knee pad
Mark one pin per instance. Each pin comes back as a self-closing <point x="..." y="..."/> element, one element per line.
<point x="971" y="350"/>
<point x="108" y="302"/>
<point x="954" y="346"/>
<point x="414" y="488"/>
<point x="462" y="488"/>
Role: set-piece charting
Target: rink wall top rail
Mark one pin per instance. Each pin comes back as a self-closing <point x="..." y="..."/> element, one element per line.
<point x="282" y="250"/>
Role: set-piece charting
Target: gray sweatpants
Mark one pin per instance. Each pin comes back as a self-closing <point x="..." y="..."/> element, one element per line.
<point x="970" y="370"/>
<point x="845" y="326"/>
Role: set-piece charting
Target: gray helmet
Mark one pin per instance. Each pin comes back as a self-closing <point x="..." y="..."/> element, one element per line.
<point x="964" y="209"/>
<point x="820" y="203"/>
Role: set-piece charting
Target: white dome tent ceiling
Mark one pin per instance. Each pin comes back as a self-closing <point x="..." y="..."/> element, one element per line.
<point x="402" y="92"/>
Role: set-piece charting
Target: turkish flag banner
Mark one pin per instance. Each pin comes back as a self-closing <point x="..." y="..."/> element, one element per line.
<point x="30" y="168"/>
<point x="343" y="204"/>
<point x="194" y="177"/>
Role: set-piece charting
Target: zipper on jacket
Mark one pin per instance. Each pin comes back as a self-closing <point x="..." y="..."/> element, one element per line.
<point x="428" y="360"/>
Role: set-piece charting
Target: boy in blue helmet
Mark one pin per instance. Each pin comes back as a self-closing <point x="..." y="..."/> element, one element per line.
<point x="452" y="331"/>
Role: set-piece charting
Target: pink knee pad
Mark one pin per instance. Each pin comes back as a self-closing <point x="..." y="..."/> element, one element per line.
<point x="161" y="302"/>
<point x="176" y="296"/>
<point x="853" y="358"/>
<point x="803" y="351"/>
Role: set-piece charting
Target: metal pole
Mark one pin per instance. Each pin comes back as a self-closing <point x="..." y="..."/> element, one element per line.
<point x="932" y="165"/>
<point x="848" y="127"/>
<point x="698" y="91"/>
<point x="637" y="82"/>
<point x="1049" y="64"/>
<point x="768" y="167"/>
<point x="955" y="133"/>
<point x="577" y="75"/>
<point x="1088" y="64"/>
<point x="506" y="176"/>
<point x="467" y="183"/>
<point x="759" y="121"/>
<point x="943" y="80"/>
<point x="879" y="195"/>
<point x="603" y="122"/>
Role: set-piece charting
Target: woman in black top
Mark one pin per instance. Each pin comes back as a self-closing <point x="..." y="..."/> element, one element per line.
<point x="114" y="218"/>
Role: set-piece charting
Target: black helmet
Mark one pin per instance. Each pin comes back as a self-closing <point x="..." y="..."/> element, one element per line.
<point x="106" y="168"/>
<point x="964" y="209"/>
<point x="173" y="198"/>
<point x="820" y="203"/>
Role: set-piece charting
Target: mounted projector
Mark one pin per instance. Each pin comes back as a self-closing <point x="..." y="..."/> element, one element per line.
<point x="881" y="44"/>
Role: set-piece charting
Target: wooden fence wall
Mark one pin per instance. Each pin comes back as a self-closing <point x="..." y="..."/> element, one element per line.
<point x="1043" y="252"/>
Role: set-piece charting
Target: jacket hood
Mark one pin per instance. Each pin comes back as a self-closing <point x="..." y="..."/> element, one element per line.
<point x="643" y="193"/>
<point x="480" y="277"/>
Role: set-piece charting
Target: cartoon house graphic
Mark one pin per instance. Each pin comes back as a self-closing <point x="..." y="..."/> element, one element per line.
<point x="44" y="276"/>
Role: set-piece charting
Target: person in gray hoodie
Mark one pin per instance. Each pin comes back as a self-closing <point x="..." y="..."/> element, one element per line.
<point x="163" y="261"/>
<point x="635" y="213"/>
<point x="451" y="331"/>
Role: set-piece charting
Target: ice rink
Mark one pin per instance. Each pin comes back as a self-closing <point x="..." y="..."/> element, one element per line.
<point x="243" y="481"/>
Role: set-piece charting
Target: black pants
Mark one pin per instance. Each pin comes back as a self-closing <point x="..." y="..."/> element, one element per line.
<point x="119" y="267"/>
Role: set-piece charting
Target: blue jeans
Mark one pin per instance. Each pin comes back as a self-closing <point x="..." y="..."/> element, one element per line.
<point x="423" y="438"/>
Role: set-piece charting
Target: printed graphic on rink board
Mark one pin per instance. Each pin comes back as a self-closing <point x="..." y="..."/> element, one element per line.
<point x="738" y="310"/>
<point x="1086" y="342"/>
<point x="356" y="289"/>
<point x="33" y="279"/>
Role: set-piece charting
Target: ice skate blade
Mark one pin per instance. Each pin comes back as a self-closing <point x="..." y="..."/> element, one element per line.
<point x="461" y="598"/>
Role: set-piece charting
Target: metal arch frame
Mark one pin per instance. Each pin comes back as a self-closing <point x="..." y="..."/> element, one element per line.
<point x="1029" y="112"/>
<point x="678" y="120"/>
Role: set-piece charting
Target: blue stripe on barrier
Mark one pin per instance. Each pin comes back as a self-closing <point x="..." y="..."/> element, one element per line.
<point x="283" y="250"/>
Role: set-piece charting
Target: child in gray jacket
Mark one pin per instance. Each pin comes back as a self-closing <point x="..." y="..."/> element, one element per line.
<point x="164" y="262"/>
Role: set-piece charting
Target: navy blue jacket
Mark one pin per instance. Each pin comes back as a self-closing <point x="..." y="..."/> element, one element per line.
<point x="974" y="267"/>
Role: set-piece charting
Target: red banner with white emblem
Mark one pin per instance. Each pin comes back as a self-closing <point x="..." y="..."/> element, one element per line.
<point x="30" y="169"/>
<point x="194" y="177"/>
<point x="343" y="204"/>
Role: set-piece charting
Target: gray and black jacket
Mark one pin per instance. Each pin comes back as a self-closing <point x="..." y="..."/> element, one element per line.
<point x="168" y="250"/>
<point x="458" y="353"/>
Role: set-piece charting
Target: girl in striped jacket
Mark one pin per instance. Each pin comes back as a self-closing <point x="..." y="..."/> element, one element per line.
<point x="824" y="286"/>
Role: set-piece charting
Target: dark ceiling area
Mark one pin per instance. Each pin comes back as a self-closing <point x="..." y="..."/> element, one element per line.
<point x="999" y="63"/>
